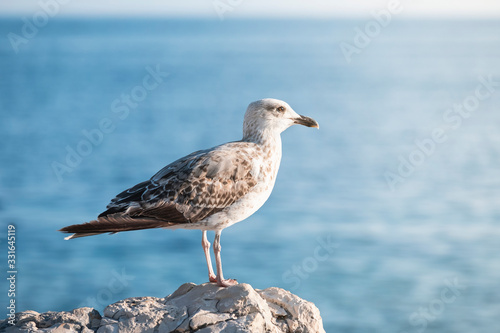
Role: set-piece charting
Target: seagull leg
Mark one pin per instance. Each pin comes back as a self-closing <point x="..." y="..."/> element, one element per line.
<point x="220" y="278"/>
<point x="206" y="248"/>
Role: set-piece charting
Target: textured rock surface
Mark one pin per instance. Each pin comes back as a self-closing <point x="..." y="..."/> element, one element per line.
<point x="85" y="320"/>
<point x="191" y="308"/>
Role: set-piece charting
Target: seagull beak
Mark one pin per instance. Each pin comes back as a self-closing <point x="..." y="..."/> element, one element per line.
<point x="306" y="121"/>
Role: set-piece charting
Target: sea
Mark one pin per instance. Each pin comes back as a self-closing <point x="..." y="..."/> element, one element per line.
<point x="387" y="217"/>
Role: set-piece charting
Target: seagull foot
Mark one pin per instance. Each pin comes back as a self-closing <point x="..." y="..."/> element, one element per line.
<point x="212" y="278"/>
<point x="227" y="282"/>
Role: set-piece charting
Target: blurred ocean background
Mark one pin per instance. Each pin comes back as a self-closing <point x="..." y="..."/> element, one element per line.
<point x="397" y="249"/>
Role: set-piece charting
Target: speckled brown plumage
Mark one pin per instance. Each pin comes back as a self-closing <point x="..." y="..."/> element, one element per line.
<point x="184" y="192"/>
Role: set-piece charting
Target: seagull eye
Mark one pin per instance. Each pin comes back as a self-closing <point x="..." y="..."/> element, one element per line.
<point x="280" y="109"/>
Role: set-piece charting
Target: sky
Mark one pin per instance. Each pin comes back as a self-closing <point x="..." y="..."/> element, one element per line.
<point x="256" y="8"/>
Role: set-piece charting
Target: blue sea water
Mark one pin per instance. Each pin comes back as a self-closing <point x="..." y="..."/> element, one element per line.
<point x="420" y="252"/>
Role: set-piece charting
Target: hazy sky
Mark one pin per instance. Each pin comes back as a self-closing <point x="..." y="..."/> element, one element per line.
<point x="258" y="8"/>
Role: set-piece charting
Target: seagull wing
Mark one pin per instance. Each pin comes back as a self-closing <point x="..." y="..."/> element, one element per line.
<point x="185" y="191"/>
<point x="191" y="188"/>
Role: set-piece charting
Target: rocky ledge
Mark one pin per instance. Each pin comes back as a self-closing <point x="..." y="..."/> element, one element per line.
<point x="191" y="308"/>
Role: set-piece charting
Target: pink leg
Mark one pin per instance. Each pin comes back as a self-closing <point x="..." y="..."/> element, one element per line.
<point x="218" y="263"/>
<point x="206" y="248"/>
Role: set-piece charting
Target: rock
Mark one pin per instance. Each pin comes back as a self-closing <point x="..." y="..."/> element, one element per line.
<point x="204" y="308"/>
<point x="84" y="320"/>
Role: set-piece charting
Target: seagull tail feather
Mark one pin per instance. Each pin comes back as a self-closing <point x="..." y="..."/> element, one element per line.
<point x="112" y="224"/>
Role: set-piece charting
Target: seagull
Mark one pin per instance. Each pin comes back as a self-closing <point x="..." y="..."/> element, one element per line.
<point x="208" y="190"/>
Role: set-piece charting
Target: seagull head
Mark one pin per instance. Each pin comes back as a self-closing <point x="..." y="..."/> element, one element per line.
<point x="272" y="115"/>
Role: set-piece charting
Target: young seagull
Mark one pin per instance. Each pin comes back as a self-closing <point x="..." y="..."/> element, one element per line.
<point x="208" y="189"/>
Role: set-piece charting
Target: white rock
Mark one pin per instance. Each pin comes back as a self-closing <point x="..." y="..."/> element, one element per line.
<point x="80" y="320"/>
<point x="204" y="308"/>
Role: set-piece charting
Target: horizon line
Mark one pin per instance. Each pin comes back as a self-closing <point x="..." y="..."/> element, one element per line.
<point x="350" y="16"/>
